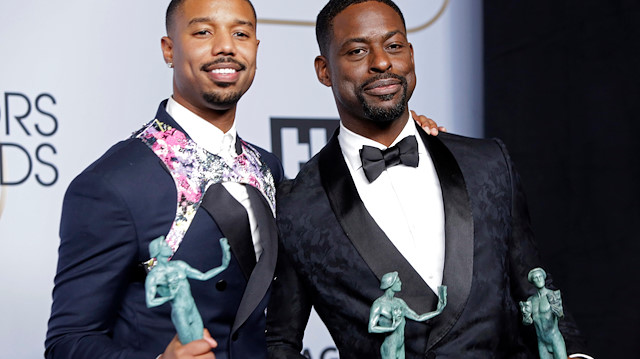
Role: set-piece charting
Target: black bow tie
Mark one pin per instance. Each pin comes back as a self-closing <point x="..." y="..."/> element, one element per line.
<point x="374" y="160"/>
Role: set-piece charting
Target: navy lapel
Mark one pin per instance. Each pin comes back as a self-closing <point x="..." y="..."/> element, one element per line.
<point x="459" y="245"/>
<point x="233" y="221"/>
<point x="370" y="241"/>
<point x="163" y="116"/>
<point x="262" y="275"/>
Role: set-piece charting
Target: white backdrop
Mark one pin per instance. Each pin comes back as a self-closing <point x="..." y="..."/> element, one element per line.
<point x="78" y="75"/>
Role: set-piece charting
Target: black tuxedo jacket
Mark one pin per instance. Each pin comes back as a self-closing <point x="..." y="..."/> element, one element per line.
<point x="111" y="212"/>
<point x="333" y="255"/>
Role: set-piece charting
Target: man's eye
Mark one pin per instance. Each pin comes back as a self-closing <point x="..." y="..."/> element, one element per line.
<point x="356" y="52"/>
<point x="202" y="32"/>
<point x="241" y="34"/>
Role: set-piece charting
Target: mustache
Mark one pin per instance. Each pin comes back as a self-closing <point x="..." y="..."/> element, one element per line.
<point x="223" y="60"/>
<point x="383" y="76"/>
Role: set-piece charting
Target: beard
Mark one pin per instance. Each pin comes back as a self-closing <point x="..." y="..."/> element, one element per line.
<point x="222" y="100"/>
<point x="381" y="114"/>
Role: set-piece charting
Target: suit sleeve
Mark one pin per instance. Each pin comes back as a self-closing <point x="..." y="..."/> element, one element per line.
<point x="524" y="256"/>
<point x="290" y="306"/>
<point x="97" y="250"/>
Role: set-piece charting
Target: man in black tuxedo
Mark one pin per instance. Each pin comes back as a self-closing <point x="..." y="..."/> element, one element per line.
<point x="382" y="197"/>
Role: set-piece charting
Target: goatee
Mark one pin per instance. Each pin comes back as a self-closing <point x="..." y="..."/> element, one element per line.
<point x="228" y="99"/>
<point x="225" y="100"/>
<point x="384" y="114"/>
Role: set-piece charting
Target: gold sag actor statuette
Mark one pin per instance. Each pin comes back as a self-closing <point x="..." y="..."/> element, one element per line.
<point x="442" y="7"/>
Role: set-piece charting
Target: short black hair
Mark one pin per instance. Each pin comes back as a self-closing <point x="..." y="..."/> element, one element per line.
<point x="175" y="4"/>
<point x="324" y="22"/>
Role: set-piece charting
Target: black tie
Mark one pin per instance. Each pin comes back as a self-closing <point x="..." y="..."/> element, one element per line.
<point x="374" y="160"/>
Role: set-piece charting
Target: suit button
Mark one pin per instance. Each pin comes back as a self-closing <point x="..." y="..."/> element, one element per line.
<point x="234" y="337"/>
<point x="221" y="285"/>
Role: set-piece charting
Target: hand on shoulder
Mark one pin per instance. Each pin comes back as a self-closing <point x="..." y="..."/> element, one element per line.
<point x="428" y="125"/>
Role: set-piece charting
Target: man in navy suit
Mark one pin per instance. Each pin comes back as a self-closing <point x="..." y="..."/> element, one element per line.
<point x="185" y="175"/>
<point x="383" y="197"/>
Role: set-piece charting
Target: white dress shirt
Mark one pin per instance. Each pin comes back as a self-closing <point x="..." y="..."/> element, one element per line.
<point x="222" y="144"/>
<point x="405" y="202"/>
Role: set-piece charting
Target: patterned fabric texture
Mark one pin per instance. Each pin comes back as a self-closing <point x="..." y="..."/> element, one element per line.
<point x="194" y="169"/>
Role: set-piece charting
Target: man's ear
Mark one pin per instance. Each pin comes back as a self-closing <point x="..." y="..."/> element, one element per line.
<point x="167" y="49"/>
<point x="322" y="70"/>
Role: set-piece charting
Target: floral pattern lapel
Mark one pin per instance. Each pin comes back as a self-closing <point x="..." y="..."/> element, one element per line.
<point x="194" y="169"/>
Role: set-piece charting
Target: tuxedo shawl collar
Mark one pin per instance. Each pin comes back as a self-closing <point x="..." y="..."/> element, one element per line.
<point x="262" y="275"/>
<point x="259" y="274"/>
<point x="379" y="252"/>
<point x="233" y="220"/>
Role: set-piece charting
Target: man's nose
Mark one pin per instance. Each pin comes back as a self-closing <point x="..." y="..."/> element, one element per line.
<point x="223" y="44"/>
<point x="380" y="61"/>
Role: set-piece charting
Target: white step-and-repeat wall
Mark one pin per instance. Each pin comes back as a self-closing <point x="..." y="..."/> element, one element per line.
<point x="78" y="75"/>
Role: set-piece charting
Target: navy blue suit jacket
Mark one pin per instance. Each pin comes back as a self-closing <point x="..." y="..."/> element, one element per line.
<point x="333" y="255"/>
<point x="111" y="212"/>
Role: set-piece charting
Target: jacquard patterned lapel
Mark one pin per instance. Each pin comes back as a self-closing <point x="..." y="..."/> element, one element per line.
<point x="383" y="257"/>
<point x="370" y="241"/>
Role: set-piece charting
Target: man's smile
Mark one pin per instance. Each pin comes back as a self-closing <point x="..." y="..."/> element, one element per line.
<point x="224" y="70"/>
<point x="383" y="87"/>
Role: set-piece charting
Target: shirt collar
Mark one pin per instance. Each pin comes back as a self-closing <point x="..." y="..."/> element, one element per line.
<point x="351" y="143"/>
<point x="202" y="132"/>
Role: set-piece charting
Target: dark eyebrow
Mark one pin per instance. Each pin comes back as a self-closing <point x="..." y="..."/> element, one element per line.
<point x="246" y="23"/>
<point x="386" y="37"/>
<point x="199" y="20"/>
<point x="391" y="34"/>
<point x="355" y="39"/>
